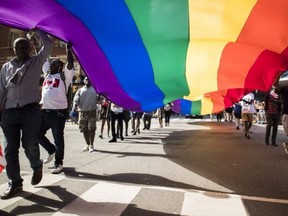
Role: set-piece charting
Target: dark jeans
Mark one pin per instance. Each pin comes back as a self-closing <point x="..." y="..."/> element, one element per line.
<point x="167" y="116"/>
<point x="147" y="121"/>
<point x="119" y="117"/>
<point x="54" y="120"/>
<point x="23" y="121"/>
<point x="272" y="122"/>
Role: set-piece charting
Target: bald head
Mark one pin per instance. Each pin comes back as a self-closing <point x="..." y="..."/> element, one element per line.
<point x="22" y="48"/>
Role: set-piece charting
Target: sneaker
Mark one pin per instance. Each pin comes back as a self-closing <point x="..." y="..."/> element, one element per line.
<point x="10" y="192"/>
<point x="57" y="169"/>
<point x="85" y="149"/>
<point x="49" y="158"/>
<point x="100" y="136"/>
<point x="91" y="149"/>
<point x="285" y="145"/>
<point x="237" y="128"/>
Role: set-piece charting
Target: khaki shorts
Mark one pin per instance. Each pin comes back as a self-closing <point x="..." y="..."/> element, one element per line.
<point x="87" y="121"/>
<point x="248" y="117"/>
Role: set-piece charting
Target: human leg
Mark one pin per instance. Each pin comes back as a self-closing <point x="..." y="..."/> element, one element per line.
<point x="30" y="129"/>
<point x="57" y="127"/>
<point x="168" y="117"/>
<point x="285" y="123"/>
<point x="126" y="122"/>
<point x="144" y="121"/>
<point x="113" y="129"/>
<point x="268" y="128"/>
<point x="275" y="124"/>
<point x="120" y="118"/>
<point x="44" y="127"/>
<point x="103" y="120"/>
<point x="108" y="126"/>
<point x="11" y="130"/>
<point x="91" y="128"/>
<point x="149" y="122"/>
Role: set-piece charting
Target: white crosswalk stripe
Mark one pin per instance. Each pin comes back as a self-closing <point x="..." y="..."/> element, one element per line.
<point x="113" y="199"/>
<point x="99" y="198"/>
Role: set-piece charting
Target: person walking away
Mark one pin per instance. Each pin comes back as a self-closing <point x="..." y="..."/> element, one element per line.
<point x="116" y="114"/>
<point x="237" y="114"/>
<point x="273" y="111"/>
<point x="104" y="117"/>
<point x="160" y="114"/>
<point x="86" y="100"/>
<point x="219" y="116"/>
<point x="248" y="110"/>
<point x="55" y="108"/>
<point x="21" y="116"/>
<point x="167" y="113"/>
<point x="136" y="117"/>
<point x="229" y="113"/>
<point x="127" y="117"/>
<point x="147" y="120"/>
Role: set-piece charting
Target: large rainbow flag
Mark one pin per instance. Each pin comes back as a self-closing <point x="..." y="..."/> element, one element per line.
<point x="141" y="54"/>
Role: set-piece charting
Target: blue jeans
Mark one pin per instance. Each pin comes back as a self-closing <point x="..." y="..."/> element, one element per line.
<point x="17" y="121"/>
<point x="54" y="120"/>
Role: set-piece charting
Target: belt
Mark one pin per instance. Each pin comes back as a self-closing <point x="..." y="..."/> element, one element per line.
<point x="30" y="105"/>
<point x="54" y="110"/>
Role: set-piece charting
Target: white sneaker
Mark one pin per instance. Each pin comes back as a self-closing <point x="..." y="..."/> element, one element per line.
<point x="57" y="169"/>
<point x="91" y="149"/>
<point x="85" y="149"/>
<point x="285" y="145"/>
<point x="49" y="158"/>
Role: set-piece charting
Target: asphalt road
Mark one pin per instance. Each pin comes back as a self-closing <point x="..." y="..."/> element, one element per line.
<point x="192" y="167"/>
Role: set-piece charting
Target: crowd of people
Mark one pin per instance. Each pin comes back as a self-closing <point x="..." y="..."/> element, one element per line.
<point x="271" y="111"/>
<point x="28" y="113"/>
<point x="27" y="119"/>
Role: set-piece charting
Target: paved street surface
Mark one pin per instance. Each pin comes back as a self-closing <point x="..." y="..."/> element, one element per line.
<point x="193" y="167"/>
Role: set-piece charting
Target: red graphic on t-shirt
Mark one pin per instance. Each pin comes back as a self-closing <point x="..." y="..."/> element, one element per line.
<point x="54" y="83"/>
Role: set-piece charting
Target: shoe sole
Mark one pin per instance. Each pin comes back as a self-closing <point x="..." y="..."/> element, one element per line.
<point x="58" y="172"/>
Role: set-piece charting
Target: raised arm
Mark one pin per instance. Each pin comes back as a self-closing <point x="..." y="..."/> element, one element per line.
<point x="45" y="42"/>
<point x="70" y="59"/>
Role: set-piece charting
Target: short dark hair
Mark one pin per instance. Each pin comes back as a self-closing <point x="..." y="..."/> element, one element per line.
<point x="58" y="62"/>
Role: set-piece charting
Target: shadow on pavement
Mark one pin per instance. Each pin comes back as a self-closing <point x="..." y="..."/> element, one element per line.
<point x="247" y="167"/>
<point x="142" y="179"/>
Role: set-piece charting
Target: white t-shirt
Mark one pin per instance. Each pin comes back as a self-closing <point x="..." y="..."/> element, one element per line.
<point x="53" y="90"/>
<point x="248" y="107"/>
